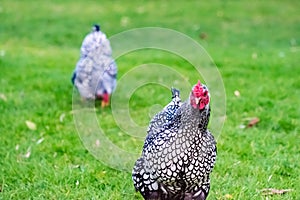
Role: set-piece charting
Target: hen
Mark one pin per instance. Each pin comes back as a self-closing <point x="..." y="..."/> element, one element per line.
<point x="96" y="71"/>
<point x="179" y="152"/>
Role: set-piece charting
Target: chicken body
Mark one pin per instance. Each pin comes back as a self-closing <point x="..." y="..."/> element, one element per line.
<point x="179" y="152"/>
<point x="96" y="71"/>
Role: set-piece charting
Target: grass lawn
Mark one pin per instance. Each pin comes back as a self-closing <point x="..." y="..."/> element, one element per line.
<point x="255" y="45"/>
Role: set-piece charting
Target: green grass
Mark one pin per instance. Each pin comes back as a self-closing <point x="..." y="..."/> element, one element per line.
<point x="254" y="44"/>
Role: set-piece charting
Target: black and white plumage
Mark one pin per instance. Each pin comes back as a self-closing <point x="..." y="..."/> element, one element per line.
<point x="167" y="114"/>
<point x="96" y="71"/>
<point x="179" y="152"/>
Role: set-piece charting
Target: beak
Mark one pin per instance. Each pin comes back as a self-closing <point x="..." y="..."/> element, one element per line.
<point x="197" y="100"/>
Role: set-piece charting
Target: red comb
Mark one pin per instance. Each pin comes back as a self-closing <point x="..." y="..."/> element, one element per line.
<point x="198" y="90"/>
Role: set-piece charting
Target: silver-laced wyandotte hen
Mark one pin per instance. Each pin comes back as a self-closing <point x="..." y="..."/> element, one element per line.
<point x="96" y="70"/>
<point x="179" y="152"/>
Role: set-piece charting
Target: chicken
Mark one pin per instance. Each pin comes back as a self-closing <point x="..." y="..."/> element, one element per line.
<point x="179" y="152"/>
<point x="96" y="71"/>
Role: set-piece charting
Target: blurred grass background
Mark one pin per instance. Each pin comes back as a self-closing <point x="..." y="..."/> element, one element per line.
<point x="254" y="44"/>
